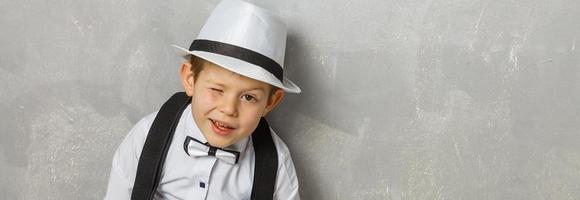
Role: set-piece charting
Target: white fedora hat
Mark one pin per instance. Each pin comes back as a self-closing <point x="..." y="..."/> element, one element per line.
<point x="244" y="39"/>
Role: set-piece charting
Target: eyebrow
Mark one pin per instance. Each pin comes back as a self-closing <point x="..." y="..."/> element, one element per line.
<point x="256" y="88"/>
<point x="218" y="84"/>
<point x="245" y="90"/>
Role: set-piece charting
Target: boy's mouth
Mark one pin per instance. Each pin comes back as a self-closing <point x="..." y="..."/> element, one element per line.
<point x="221" y="128"/>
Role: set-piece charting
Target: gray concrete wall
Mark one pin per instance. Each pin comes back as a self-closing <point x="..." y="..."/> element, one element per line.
<point x="405" y="99"/>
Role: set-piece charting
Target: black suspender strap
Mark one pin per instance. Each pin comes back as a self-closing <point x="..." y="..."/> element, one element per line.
<point x="156" y="147"/>
<point x="266" y="163"/>
<point x="159" y="139"/>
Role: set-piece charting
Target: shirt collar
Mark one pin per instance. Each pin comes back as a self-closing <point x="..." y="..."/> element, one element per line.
<point x="192" y="130"/>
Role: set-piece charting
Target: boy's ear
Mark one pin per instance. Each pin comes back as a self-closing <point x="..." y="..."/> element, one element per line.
<point x="186" y="76"/>
<point x="274" y="100"/>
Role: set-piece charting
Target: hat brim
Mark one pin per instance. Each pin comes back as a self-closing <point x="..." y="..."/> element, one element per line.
<point x="241" y="67"/>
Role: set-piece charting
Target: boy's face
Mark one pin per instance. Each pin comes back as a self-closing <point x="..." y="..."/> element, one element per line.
<point x="227" y="107"/>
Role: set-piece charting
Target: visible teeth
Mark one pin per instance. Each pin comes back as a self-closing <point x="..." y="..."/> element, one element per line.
<point x="222" y="125"/>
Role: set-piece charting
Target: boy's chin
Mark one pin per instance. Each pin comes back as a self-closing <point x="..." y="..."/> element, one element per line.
<point x="219" y="145"/>
<point x="217" y="141"/>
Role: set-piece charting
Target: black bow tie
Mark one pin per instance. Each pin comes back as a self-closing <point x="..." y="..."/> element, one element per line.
<point x="197" y="149"/>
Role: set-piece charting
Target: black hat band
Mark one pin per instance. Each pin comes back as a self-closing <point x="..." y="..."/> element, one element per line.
<point x="240" y="53"/>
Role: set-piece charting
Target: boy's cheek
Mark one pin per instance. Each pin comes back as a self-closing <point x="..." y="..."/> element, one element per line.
<point x="252" y="120"/>
<point x="205" y="99"/>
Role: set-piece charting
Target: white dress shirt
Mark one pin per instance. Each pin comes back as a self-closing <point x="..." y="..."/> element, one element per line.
<point x="187" y="177"/>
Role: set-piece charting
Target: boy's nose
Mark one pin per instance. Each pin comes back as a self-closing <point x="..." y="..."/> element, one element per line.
<point x="229" y="106"/>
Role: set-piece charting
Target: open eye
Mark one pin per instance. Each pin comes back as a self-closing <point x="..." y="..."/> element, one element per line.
<point x="248" y="98"/>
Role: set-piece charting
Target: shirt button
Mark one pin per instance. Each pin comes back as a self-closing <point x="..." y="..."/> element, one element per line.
<point x="201" y="184"/>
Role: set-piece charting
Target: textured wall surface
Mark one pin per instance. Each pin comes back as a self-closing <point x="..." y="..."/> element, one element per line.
<point x="403" y="99"/>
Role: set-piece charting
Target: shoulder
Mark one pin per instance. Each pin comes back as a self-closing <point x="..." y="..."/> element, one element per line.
<point x="281" y="147"/>
<point x="136" y="137"/>
<point x="145" y="122"/>
<point x="126" y="158"/>
<point x="286" y="181"/>
<point x="129" y="151"/>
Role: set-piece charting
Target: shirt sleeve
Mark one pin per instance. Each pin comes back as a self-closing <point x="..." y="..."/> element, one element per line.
<point x="126" y="159"/>
<point x="286" y="180"/>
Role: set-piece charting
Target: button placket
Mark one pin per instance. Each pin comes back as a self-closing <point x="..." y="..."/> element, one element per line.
<point x="204" y="181"/>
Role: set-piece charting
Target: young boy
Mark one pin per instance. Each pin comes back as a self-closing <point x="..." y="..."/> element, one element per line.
<point x="218" y="146"/>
